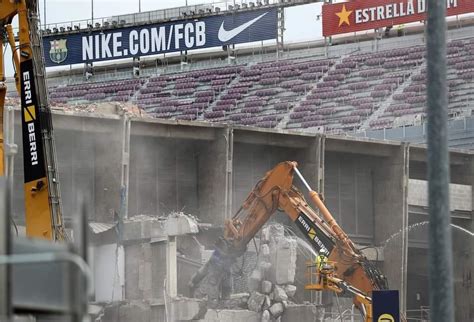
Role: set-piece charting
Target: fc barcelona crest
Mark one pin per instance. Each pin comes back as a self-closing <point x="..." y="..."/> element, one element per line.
<point x="58" y="51"/>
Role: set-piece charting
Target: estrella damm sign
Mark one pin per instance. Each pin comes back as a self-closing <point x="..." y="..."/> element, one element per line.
<point x="358" y="15"/>
<point x="385" y="306"/>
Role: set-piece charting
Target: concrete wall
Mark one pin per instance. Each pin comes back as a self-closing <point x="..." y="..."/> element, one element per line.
<point x="180" y="171"/>
<point x="349" y="191"/>
<point x="89" y="156"/>
<point x="461" y="195"/>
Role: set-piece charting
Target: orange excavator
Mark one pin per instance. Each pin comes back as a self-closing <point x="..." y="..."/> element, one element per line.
<point x="43" y="211"/>
<point x="346" y="268"/>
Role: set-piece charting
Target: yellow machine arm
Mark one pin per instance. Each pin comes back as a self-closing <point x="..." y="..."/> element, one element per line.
<point x="351" y="271"/>
<point x="43" y="215"/>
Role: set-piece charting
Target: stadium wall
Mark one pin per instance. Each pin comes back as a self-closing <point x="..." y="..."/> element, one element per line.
<point x="208" y="169"/>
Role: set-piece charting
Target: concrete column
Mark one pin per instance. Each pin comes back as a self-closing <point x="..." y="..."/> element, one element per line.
<point x="171" y="267"/>
<point x="125" y="173"/>
<point x="313" y="164"/>
<point x="108" y="166"/>
<point x="213" y="180"/>
<point x="229" y="173"/>
<point x="391" y="216"/>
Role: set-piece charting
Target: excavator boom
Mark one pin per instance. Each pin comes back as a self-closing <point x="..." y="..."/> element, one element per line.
<point x="43" y="216"/>
<point x="275" y="191"/>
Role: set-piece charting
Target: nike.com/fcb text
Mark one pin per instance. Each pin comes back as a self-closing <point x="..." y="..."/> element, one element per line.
<point x="167" y="37"/>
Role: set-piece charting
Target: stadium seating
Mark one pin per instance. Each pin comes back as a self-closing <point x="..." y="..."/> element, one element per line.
<point x="369" y="90"/>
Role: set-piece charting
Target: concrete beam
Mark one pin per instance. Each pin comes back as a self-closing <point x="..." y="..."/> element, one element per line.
<point x="84" y="122"/>
<point x="175" y="130"/>
<point x="271" y="138"/>
<point x="358" y="146"/>
<point x="456" y="156"/>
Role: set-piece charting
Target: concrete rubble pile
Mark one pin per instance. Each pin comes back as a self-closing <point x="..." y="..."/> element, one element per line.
<point x="270" y="284"/>
<point x="104" y="108"/>
<point x="100" y="108"/>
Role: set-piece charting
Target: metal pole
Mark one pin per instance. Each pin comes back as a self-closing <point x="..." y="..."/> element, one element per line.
<point x="4" y="250"/>
<point x="139" y="5"/>
<point x="440" y="243"/>
<point x="92" y="12"/>
<point x="44" y="13"/>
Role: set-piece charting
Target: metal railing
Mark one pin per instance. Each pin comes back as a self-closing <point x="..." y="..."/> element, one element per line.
<point x="420" y="315"/>
<point x="154" y="16"/>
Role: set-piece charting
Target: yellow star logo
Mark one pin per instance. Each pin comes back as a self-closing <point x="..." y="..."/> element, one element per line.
<point x="344" y="16"/>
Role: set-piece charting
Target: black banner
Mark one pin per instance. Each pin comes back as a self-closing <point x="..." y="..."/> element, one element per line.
<point x="322" y="243"/>
<point x="385" y="306"/>
<point x="33" y="157"/>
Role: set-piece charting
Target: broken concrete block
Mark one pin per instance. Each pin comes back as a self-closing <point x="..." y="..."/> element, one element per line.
<point x="231" y="315"/>
<point x="255" y="301"/>
<point x="279" y="294"/>
<point x="290" y="290"/>
<point x="134" y="311"/>
<point x="253" y="282"/>
<point x="239" y="296"/>
<point x="256" y="275"/>
<point x="300" y="313"/>
<point x="265" y="251"/>
<point x="180" y="224"/>
<point x="236" y="301"/>
<point x="276" y="310"/>
<point x="266" y="317"/>
<point x="265" y="237"/>
<point x="267" y="303"/>
<point x="132" y="231"/>
<point x="187" y="309"/>
<point x="264" y="266"/>
<point x="283" y="260"/>
<point x="267" y="287"/>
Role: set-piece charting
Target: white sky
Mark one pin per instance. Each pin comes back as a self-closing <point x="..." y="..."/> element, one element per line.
<point x="301" y="22"/>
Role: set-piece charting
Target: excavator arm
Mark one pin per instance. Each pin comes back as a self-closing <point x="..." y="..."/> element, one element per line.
<point x="43" y="215"/>
<point x="352" y="271"/>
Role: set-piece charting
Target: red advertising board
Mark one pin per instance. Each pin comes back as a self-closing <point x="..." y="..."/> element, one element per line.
<point x="358" y="15"/>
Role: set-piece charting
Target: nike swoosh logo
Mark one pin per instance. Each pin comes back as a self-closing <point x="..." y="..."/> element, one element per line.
<point x="226" y="35"/>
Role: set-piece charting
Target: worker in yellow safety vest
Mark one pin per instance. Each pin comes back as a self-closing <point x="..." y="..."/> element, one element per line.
<point x="321" y="260"/>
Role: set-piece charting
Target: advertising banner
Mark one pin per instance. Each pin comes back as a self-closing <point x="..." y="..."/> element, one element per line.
<point x="176" y="36"/>
<point x="358" y="15"/>
<point x="386" y="306"/>
<point x="318" y="239"/>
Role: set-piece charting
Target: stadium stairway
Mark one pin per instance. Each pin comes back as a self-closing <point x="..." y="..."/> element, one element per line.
<point x="365" y="125"/>
<point x="136" y="94"/>
<point x="284" y="122"/>
<point x="219" y="96"/>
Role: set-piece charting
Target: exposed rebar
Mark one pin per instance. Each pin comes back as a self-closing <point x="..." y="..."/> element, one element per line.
<point x="440" y="243"/>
